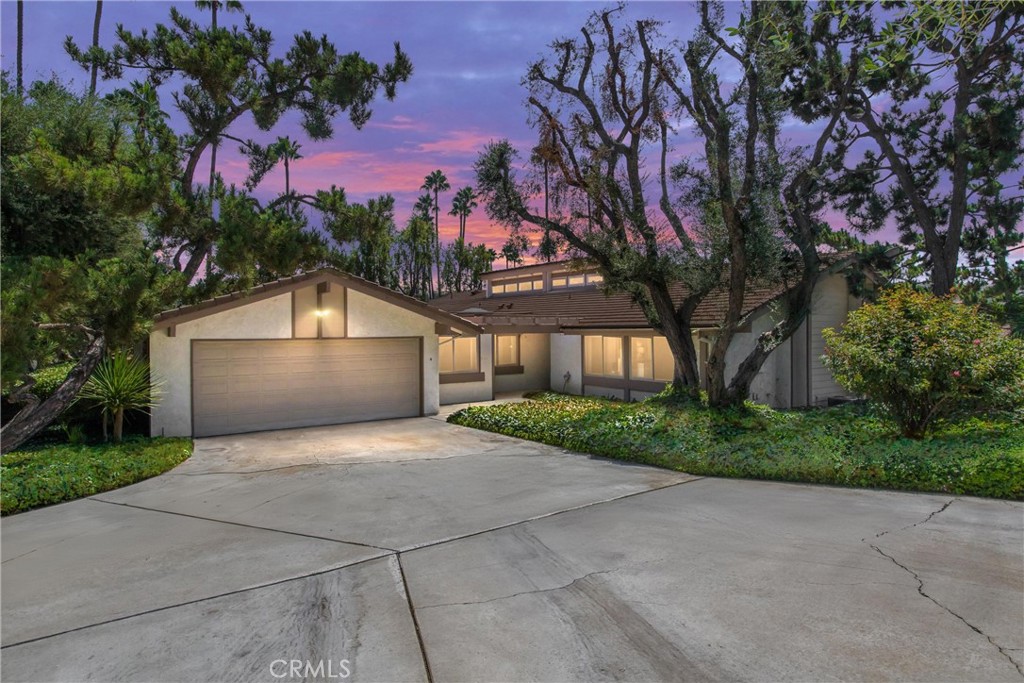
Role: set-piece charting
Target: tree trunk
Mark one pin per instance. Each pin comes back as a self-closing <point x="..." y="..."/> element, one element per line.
<point x="118" y="424"/>
<point x="21" y="47"/>
<point x="437" y="239"/>
<point x="675" y="325"/>
<point x="95" y="44"/>
<point x="35" y="417"/>
<point x="106" y="431"/>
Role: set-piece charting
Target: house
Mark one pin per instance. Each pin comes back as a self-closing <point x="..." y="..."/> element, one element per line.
<point x="550" y="326"/>
<point x="317" y="348"/>
<point x="327" y="347"/>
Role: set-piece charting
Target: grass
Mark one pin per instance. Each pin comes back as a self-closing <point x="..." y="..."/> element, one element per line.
<point x="846" y="445"/>
<point x="54" y="473"/>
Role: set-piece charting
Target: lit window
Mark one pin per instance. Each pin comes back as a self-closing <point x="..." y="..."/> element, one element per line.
<point x="577" y="280"/>
<point x="641" y="358"/>
<point x="602" y="356"/>
<point x="651" y="358"/>
<point x="513" y="286"/>
<point x="506" y="349"/>
<point x="664" y="363"/>
<point x="458" y="354"/>
<point x="594" y="278"/>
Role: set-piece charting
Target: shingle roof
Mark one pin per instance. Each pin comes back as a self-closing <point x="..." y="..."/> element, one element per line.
<point x="589" y="307"/>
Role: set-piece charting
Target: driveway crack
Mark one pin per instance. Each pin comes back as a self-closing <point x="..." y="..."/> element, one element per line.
<point x="920" y="589"/>
<point x="923" y="521"/>
<point x="529" y="592"/>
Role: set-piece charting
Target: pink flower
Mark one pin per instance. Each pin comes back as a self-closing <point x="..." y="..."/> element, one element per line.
<point x="956" y="373"/>
<point x="977" y="341"/>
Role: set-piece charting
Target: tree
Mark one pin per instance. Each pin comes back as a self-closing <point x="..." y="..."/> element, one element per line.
<point x="20" y="67"/>
<point x="414" y="256"/>
<point x="610" y="99"/>
<point x="95" y="46"/>
<point x="371" y="228"/>
<point x="949" y="142"/>
<point x="225" y="74"/>
<point x="462" y="206"/>
<point x="287" y="150"/>
<point x="514" y="249"/>
<point x="79" y="174"/>
<point x="925" y="359"/>
<point x="437" y="182"/>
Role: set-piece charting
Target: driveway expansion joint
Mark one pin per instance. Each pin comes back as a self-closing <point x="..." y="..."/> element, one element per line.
<point x="920" y="589"/>
<point x="546" y="515"/>
<point x="415" y="620"/>
<point x="247" y="526"/>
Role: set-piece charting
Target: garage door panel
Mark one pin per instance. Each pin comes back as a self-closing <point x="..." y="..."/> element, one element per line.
<point x="242" y="386"/>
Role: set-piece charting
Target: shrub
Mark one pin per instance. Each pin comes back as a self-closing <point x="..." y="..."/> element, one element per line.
<point x="118" y="384"/>
<point x="924" y="359"/>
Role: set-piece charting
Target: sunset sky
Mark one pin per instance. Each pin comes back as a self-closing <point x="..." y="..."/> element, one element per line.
<point x="469" y="58"/>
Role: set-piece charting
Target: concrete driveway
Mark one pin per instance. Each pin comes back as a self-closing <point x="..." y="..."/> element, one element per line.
<point x="417" y="550"/>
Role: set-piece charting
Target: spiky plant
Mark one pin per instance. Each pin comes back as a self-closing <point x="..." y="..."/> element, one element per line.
<point x="118" y="384"/>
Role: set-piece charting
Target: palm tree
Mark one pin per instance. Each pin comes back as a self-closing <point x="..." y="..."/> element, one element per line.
<point x="21" y="45"/>
<point x="95" y="46"/>
<point x="287" y="150"/>
<point x="463" y="205"/>
<point x="437" y="183"/>
<point x="424" y="206"/>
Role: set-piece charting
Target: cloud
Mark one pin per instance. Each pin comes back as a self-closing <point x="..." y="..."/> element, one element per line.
<point x="400" y="123"/>
<point x="458" y="143"/>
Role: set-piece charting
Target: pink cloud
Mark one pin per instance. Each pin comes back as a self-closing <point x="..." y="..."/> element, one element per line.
<point x="457" y="142"/>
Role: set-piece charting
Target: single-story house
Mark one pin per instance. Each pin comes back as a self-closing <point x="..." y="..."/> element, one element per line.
<point x="327" y="347"/>
<point x="550" y="326"/>
<point x="318" y="348"/>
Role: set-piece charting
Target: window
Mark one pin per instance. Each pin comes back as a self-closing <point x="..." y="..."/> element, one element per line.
<point x="513" y="286"/>
<point x="565" y="279"/>
<point x="506" y="349"/>
<point x="602" y="356"/>
<point x="651" y="358"/>
<point x="458" y="354"/>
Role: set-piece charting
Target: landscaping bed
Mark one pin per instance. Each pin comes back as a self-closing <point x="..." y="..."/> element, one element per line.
<point x="54" y="473"/>
<point x="846" y="445"/>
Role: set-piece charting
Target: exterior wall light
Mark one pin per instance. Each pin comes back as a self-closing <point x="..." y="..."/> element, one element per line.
<point x="320" y="313"/>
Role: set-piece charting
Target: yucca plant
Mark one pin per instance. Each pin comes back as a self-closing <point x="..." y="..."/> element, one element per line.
<point x="118" y="384"/>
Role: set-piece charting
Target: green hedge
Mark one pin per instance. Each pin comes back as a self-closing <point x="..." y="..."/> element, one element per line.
<point x="56" y="473"/>
<point x="847" y="445"/>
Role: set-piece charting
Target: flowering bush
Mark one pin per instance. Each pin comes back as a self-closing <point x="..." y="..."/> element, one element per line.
<point x="925" y="359"/>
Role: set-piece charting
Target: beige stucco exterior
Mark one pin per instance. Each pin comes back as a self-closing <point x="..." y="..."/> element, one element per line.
<point x="271" y="318"/>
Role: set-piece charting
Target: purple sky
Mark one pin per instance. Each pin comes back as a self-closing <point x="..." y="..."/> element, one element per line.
<point x="468" y="57"/>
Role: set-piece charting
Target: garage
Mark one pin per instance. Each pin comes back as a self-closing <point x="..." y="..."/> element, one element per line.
<point x="245" y="386"/>
<point x="318" y="348"/>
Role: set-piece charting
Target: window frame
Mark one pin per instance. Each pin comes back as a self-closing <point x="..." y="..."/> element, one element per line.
<point x="515" y="368"/>
<point x="453" y="375"/>
<point x="622" y="356"/>
<point x="536" y="285"/>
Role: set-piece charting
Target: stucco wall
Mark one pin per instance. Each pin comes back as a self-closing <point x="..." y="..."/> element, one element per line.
<point x="371" y="317"/>
<point x="829" y="308"/>
<point x="171" y="357"/>
<point x="535" y="357"/>
<point x="470" y="392"/>
<point x="567" y="357"/>
<point x="764" y="387"/>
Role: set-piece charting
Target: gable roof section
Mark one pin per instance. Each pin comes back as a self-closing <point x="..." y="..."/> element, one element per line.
<point x="225" y="302"/>
<point x="587" y="308"/>
<point x="592" y="308"/>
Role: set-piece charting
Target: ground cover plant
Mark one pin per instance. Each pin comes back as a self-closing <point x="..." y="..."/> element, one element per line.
<point x="847" y="445"/>
<point x="45" y="474"/>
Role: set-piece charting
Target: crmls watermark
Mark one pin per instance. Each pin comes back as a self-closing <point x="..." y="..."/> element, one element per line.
<point x="306" y="669"/>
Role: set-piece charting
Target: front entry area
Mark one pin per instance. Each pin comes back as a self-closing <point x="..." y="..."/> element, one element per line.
<point x="256" y="385"/>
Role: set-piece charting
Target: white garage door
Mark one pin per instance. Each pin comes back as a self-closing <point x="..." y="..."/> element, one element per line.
<point x="248" y="386"/>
